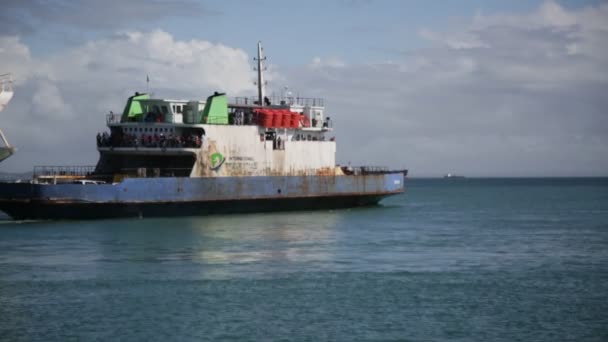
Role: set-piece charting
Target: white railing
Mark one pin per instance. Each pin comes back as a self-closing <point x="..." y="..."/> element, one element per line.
<point x="112" y="118"/>
<point x="63" y="171"/>
<point x="280" y="100"/>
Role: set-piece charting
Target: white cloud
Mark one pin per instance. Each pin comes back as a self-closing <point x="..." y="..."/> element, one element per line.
<point x="501" y="95"/>
<point x="181" y="67"/>
<point x="332" y="62"/>
<point x="49" y="102"/>
<point x="461" y="40"/>
<point x="15" y="57"/>
<point x="60" y="101"/>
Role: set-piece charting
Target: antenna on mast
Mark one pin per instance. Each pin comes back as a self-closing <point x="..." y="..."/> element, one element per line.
<point x="260" y="70"/>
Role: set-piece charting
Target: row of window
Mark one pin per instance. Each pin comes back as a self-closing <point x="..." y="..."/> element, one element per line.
<point x="176" y="109"/>
<point x="148" y="129"/>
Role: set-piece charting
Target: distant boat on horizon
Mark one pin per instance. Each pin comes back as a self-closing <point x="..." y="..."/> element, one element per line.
<point x="450" y="175"/>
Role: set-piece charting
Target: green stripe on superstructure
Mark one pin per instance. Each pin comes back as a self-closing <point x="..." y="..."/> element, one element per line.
<point x="216" y="110"/>
<point x="133" y="108"/>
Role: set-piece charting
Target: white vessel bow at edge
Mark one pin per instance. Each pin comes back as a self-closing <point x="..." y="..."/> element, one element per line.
<point x="6" y="94"/>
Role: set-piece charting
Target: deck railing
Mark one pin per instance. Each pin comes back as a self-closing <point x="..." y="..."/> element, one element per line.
<point x="63" y="171"/>
<point x="370" y="170"/>
<point x="143" y="172"/>
<point x="280" y="100"/>
<point x="113" y="118"/>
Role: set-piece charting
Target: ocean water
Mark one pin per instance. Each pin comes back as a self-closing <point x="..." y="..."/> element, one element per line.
<point x="451" y="260"/>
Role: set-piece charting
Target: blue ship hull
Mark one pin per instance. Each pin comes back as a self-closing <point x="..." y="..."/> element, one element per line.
<point x="170" y="196"/>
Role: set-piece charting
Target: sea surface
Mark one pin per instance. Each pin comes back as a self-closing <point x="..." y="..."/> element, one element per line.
<point x="450" y="260"/>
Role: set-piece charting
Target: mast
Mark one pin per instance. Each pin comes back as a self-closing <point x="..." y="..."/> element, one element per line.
<point x="260" y="82"/>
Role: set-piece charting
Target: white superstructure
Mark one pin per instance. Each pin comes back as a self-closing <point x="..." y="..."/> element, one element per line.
<point x="259" y="136"/>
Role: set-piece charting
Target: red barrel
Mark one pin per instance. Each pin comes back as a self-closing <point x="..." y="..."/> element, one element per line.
<point x="277" y="120"/>
<point x="268" y="119"/>
<point x="286" y="123"/>
<point x="295" y="120"/>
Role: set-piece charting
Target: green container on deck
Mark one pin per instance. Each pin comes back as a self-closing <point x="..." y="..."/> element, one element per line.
<point x="215" y="111"/>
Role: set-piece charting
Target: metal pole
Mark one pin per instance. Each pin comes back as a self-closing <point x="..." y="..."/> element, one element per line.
<point x="260" y="75"/>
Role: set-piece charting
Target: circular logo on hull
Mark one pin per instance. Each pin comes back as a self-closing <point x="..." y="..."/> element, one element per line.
<point x="216" y="160"/>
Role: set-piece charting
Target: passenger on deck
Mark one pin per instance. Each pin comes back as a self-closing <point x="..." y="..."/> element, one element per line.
<point x="241" y="116"/>
<point x="171" y="140"/>
<point x="162" y="140"/>
<point x="105" y="139"/>
<point x="326" y="123"/>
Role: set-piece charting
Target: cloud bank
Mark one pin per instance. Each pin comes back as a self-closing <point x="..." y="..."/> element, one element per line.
<point x="60" y="101"/>
<point x="504" y="95"/>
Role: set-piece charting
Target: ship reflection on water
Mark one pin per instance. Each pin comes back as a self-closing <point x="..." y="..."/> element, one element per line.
<point x="258" y="246"/>
<point x="274" y="239"/>
<point x="221" y="247"/>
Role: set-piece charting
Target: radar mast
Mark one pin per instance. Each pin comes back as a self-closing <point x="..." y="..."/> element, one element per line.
<point x="260" y="69"/>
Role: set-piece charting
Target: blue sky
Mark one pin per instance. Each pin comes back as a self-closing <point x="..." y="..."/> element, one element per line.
<point x="355" y="30"/>
<point x="482" y="88"/>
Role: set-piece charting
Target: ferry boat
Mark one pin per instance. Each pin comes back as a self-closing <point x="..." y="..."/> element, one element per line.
<point x="6" y="94"/>
<point x="164" y="157"/>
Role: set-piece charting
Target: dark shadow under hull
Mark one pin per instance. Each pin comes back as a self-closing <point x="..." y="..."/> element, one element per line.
<point x="48" y="209"/>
